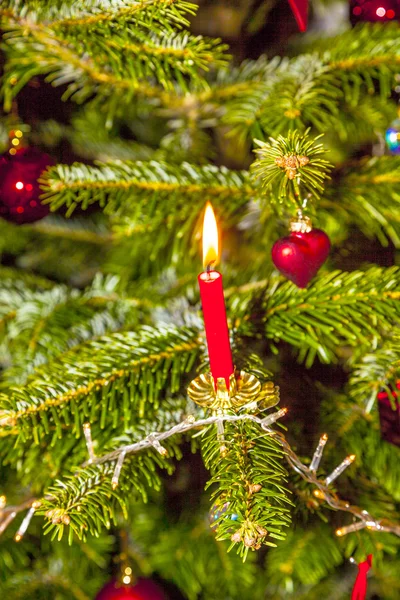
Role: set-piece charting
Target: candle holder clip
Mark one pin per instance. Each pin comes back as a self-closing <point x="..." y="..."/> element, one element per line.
<point x="244" y="389"/>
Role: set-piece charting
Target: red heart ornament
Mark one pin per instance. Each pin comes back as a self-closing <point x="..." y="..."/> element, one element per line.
<point x="298" y="256"/>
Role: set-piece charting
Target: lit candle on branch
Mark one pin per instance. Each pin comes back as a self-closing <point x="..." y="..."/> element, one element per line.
<point x="223" y="389"/>
<point x="213" y="304"/>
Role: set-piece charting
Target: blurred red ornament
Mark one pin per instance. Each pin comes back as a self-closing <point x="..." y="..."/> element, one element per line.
<point x="374" y="10"/>
<point x="360" y="586"/>
<point x="300" y="11"/>
<point x="143" y="589"/>
<point x="19" y="188"/>
<point x="389" y="415"/>
<point x="299" y="255"/>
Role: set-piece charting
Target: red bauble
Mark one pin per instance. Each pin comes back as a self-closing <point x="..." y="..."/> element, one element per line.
<point x="143" y="589"/>
<point x="300" y="11"/>
<point x="19" y="188"/>
<point x="389" y="415"/>
<point x="299" y="255"/>
<point x="374" y="10"/>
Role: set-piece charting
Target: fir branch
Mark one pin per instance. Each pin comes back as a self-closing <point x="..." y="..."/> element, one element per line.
<point x="359" y="124"/>
<point x="160" y="12"/>
<point x="166" y="56"/>
<point x="76" y="230"/>
<point x="247" y="72"/>
<point x="162" y="189"/>
<point x="369" y="52"/>
<point x="375" y="371"/>
<point x="17" y="280"/>
<point x="91" y="137"/>
<point x="151" y="176"/>
<point x="50" y="247"/>
<point x="308" y="95"/>
<point x="94" y="64"/>
<point x="301" y="558"/>
<point x="128" y="370"/>
<point x="367" y="193"/>
<point x="360" y="431"/>
<point x="162" y="192"/>
<point x="112" y="184"/>
<point x="285" y="164"/>
<point x="379" y="459"/>
<point x="337" y="309"/>
<point x="59" y="570"/>
<point x="316" y="89"/>
<point x="61" y="65"/>
<point x="190" y="556"/>
<point x="89" y="489"/>
<point x="295" y="95"/>
<point x="67" y="14"/>
<point x="42" y="324"/>
<point x="87" y="503"/>
<point x="36" y="582"/>
<point x="13" y="557"/>
<point x="250" y="482"/>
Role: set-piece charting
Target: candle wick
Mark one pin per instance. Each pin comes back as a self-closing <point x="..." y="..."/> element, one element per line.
<point x="209" y="267"/>
<point x="208" y="270"/>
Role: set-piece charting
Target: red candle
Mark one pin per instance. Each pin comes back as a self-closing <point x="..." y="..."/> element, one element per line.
<point x="213" y="303"/>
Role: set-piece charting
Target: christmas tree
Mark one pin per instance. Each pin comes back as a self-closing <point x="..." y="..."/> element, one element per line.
<point x="136" y="459"/>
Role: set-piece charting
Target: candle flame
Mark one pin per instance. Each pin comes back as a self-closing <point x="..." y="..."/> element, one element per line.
<point x="210" y="238"/>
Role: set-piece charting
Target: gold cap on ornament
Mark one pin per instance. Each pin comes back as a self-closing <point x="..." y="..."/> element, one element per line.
<point x="300" y="223"/>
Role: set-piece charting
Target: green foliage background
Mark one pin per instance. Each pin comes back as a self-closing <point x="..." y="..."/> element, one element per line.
<point x="152" y="108"/>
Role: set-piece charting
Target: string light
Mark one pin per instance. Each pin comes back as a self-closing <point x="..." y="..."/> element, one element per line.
<point x="339" y="470"/>
<point x="221" y="438"/>
<point x="273" y="418"/>
<point x="156" y="444"/>
<point x="373" y="525"/>
<point x="117" y="470"/>
<point x="7" y="520"/>
<point x="351" y="528"/>
<point x="25" y="523"/>
<point x="319" y="494"/>
<point x="89" y="442"/>
<point x="15" y="139"/>
<point x="127" y="576"/>
<point x="316" y="459"/>
<point x="322" y="492"/>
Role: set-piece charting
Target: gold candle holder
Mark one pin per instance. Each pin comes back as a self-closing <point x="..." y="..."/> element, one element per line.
<point x="244" y="389"/>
